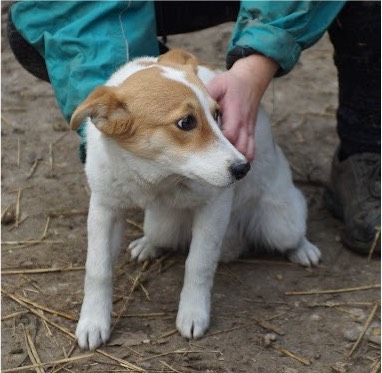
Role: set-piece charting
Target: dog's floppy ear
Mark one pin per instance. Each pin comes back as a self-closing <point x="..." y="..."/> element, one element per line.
<point x="108" y="113"/>
<point x="178" y="57"/>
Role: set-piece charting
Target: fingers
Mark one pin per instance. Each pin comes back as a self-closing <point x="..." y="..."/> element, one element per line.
<point x="242" y="141"/>
<point x="231" y="124"/>
<point x="246" y="143"/>
<point x="237" y="118"/>
<point x="238" y="131"/>
<point x="250" y="153"/>
<point x="230" y="115"/>
<point x="216" y="88"/>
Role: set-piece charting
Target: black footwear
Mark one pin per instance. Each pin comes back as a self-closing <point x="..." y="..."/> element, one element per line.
<point x="354" y="196"/>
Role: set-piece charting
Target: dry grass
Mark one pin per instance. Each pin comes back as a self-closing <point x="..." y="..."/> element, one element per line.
<point x="7" y="272"/>
<point x="33" y="168"/>
<point x="334" y="291"/>
<point x="41" y="307"/>
<point x="143" y="274"/>
<point x="288" y="353"/>
<point x="32" y="352"/>
<point x="69" y="334"/>
<point x="373" y="246"/>
<point x="367" y="324"/>
<point x="49" y="363"/>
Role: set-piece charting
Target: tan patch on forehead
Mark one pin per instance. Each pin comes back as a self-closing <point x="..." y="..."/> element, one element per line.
<point x="156" y="104"/>
<point x="184" y="61"/>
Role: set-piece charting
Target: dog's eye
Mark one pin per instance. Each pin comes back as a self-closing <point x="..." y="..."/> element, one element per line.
<point x="187" y="123"/>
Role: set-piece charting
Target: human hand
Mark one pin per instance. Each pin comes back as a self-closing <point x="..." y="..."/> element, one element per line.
<point x="238" y="92"/>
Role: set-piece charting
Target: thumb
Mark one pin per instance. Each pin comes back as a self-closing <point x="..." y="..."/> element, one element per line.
<point x="217" y="87"/>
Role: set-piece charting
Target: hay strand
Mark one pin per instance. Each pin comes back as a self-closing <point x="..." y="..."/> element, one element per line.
<point x="367" y="323"/>
<point x="286" y="352"/>
<point x="18" y="152"/>
<point x="374" y="243"/>
<point x="334" y="291"/>
<point x="48" y="363"/>
<point x="376" y="368"/>
<point x="38" y="314"/>
<point x="51" y="159"/>
<point x="122" y="362"/>
<point x="17" y="214"/>
<point x="32" y="352"/>
<point x="30" y="242"/>
<point x="144" y="315"/>
<point x="268" y="326"/>
<point x="45" y="232"/>
<point x="46" y="309"/>
<point x="13" y="314"/>
<point x="5" y="272"/>
<point x="134" y="224"/>
<point x="134" y="286"/>
<point x="169" y="367"/>
<point x="33" y="168"/>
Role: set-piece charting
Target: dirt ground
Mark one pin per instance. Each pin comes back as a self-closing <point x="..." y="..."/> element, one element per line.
<point x="42" y="175"/>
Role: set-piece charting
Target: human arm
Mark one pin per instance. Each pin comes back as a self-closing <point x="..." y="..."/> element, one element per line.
<point x="278" y="31"/>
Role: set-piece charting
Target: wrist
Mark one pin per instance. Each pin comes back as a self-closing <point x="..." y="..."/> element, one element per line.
<point x="257" y="69"/>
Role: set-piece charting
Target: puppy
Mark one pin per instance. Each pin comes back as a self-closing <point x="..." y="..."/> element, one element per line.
<point x="154" y="141"/>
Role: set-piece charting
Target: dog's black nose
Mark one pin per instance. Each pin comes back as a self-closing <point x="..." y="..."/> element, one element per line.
<point x="239" y="169"/>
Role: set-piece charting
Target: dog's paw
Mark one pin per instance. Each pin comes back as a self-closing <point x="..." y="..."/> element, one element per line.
<point x="306" y="254"/>
<point x="141" y="249"/>
<point x="192" y="320"/>
<point x="91" y="332"/>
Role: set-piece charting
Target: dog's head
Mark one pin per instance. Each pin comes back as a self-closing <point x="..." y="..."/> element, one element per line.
<point x="163" y="112"/>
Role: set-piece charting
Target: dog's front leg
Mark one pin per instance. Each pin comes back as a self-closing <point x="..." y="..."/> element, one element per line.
<point x="93" y="327"/>
<point x="209" y="226"/>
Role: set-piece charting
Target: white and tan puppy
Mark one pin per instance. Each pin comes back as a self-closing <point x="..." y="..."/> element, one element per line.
<point x="154" y="141"/>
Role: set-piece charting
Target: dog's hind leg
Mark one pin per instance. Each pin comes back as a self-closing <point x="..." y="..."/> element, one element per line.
<point x="163" y="228"/>
<point x="306" y="253"/>
<point x="234" y="243"/>
<point x="142" y="249"/>
<point x="279" y="222"/>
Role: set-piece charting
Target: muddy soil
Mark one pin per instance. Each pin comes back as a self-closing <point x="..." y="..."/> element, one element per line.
<point x="41" y="170"/>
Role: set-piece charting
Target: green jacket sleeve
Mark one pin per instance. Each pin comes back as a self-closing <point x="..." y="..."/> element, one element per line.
<point x="84" y="42"/>
<point x="280" y="29"/>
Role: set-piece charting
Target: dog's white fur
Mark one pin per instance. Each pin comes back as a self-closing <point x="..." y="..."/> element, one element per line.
<point x="189" y="203"/>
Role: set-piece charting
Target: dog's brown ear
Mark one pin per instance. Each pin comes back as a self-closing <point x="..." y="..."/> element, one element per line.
<point x="178" y="57"/>
<point x="108" y="113"/>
